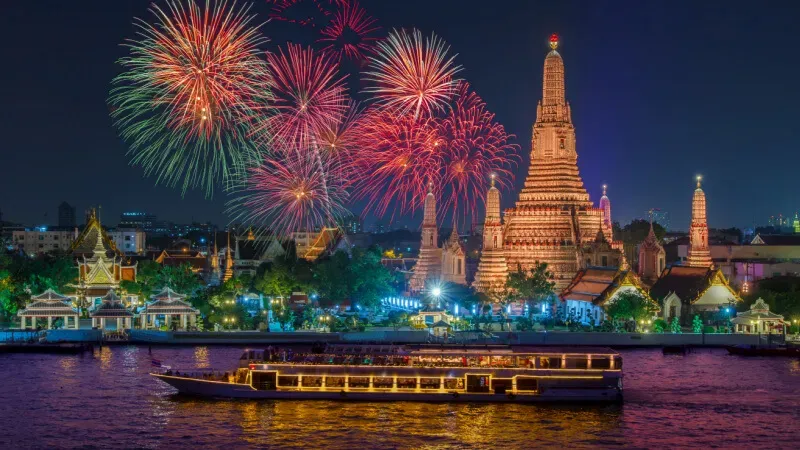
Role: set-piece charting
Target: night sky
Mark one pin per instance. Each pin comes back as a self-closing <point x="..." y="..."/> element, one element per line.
<point x="660" y="91"/>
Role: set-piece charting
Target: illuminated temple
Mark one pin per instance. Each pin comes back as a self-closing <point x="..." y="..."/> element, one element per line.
<point x="553" y="221"/>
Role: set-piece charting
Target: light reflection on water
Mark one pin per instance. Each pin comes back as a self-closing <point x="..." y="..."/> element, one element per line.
<point x="106" y="399"/>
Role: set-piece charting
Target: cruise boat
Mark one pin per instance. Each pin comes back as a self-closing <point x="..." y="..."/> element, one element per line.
<point x="442" y="373"/>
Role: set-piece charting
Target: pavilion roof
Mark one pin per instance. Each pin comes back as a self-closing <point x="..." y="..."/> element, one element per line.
<point x="111" y="307"/>
<point x="598" y="284"/>
<point x="167" y="294"/>
<point x="48" y="303"/>
<point x="94" y="239"/>
<point x="758" y="311"/>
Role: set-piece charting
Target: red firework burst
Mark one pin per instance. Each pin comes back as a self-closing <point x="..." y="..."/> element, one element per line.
<point x="476" y="146"/>
<point x="341" y="139"/>
<point x="400" y="157"/>
<point x="409" y="73"/>
<point x="293" y="193"/>
<point x="307" y="93"/>
<point x="301" y="12"/>
<point x="351" y="32"/>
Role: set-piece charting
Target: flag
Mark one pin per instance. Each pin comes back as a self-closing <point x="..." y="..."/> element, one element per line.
<point x="155" y="363"/>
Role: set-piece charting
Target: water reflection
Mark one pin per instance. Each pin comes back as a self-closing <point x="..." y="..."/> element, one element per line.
<point x="201" y="357"/>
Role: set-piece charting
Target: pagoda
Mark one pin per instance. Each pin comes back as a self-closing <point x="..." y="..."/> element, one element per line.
<point x="699" y="253"/>
<point x="101" y="266"/>
<point x="652" y="257"/>
<point x="429" y="262"/>
<point x="554" y="221"/>
<point x="492" y="267"/>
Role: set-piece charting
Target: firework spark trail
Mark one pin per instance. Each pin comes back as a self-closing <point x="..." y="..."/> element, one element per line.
<point x="307" y="92"/>
<point x="291" y="194"/>
<point x="181" y="101"/>
<point x="350" y="19"/>
<point x="402" y="157"/>
<point x="409" y="73"/>
<point x="476" y="146"/>
<point x="285" y="10"/>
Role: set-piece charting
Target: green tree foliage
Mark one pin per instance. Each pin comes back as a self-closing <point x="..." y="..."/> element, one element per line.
<point x="634" y="233"/>
<point x="370" y="280"/>
<point x="331" y="279"/>
<point x="659" y="325"/>
<point x="630" y="306"/>
<point x="697" y="324"/>
<point x="782" y="294"/>
<point x="675" y="326"/>
<point x="22" y="276"/>
<point x="534" y="287"/>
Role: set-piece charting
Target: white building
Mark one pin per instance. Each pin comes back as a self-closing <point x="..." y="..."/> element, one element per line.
<point x="128" y="240"/>
<point x="43" y="240"/>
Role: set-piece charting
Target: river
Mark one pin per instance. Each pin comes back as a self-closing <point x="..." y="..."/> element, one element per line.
<point x="105" y="399"/>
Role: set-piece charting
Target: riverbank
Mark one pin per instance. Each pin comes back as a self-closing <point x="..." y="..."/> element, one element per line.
<point x="618" y="340"/>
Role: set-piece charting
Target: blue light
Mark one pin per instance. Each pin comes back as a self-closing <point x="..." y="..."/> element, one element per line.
<point x="202" y="240"/>
<point x="544" y="308"/>
<point x="455" y="309"/>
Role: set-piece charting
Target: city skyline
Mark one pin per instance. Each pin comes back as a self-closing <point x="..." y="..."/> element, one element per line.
<point x="630" y="74"/>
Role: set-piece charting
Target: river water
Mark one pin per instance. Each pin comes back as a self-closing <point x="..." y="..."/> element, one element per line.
<point x="105" y="399"/>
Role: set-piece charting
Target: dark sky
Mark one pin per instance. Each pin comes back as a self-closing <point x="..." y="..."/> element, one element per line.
<point x="660" y="91"/>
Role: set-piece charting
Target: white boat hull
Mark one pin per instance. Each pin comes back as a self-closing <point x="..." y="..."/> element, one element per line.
<point x="217" y="389"/>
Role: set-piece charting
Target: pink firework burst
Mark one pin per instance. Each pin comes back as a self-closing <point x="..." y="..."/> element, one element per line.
<point x="351" y="32"/>
<point x="400" y="157"/>
<point x="297" y="192"/>
<point x="307" y="93"/>
<point x="476" y="147"/>
<point x="409" y="73"/>
<point x="341" y="139"/>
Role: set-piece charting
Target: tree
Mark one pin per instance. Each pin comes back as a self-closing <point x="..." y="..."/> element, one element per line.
<point x="629" y="306"/>
<point x="369" y="280"/>
<point x="534" y="287"/>
<point x="178" y="278"/>
<point x="675" y="326"/>
<point x="398" y="319"/>
<point x="331" y="279"/>
<point x="634" y="233"/>
<point x="697" y="325"/>
<point x="659" y="325"/>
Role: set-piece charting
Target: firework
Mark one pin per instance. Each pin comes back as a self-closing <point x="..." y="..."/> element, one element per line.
<point x="400" y="157"/>
<point x="181" y="100"/>
<point x="412" y="74"/>
<point x="301" y="12"/>
<point x="350" y="32"/>
<point x="289" y="194"/>
<point x="307" y="93"/>
<point x="476" y="146"/>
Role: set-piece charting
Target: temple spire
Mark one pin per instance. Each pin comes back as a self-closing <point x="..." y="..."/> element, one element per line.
<point x="228" y="260"/>
<point x="699" y="253"/>
<point x="492" y="267"/>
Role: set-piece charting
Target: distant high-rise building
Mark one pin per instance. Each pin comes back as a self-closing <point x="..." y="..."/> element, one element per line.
<point x="352" y="224"/>
<point x="137" y="220"/>
<point x="66" y="215"/>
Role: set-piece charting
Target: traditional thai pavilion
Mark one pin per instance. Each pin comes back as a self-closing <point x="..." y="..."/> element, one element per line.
<point x="111" y="310"/>
<point x="432" y="317"/>
<point x="759" y="320"/>
<point x="684" y="292"/>
<point x="553" y="221"/>
<point x="593" y="289"/>
<point x="437" y="264"/>
<point x="167" y="305"/>
<point x="49" y="305"/>
<point x="101" y="266"/>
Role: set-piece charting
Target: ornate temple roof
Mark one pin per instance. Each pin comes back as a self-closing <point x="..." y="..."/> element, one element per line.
<point x="48" y="303"/>
<point x="758" y="311"/>
<point x="111" y="307"/>
<point x="326" y="241"/>
<point x="169" y="302"/>
<point x="688" y="283"/>
<point x="94" y="240"/>
<point x="598" y="284"/>
<point x="651" y="241"/>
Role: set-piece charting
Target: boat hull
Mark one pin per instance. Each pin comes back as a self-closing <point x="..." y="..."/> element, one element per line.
<point x="216" y="389"/>
<point x="757" y="351"/>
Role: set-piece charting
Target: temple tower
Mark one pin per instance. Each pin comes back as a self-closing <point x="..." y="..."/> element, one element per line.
<point x="429" y="262"/>
<point x="228" y="261"/>
<point x="605" y="207"/>
<point x="553" y="219"/>
<point x="699" y="254"/>
<point x="652" y="257"/>
<point x="492" y="267"/>
<point x="454" y="260"/>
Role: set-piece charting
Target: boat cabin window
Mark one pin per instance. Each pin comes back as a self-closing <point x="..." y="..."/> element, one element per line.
<point x="527" y="384"/>
<point x="429" y="383"/>
<point x="550" y="362"/>
<point x="500" y="385"/>
<point x="454" y="383"/>
<point x="406" y="383"/>
<point x="263" y="381"/>
<point x="601" y="362"/>
<point x="335" y="382"/>
<point x="580" y="362"/>
<point x="311" y="381"/>
<point x="502" y="361"/>
<point x="382" y="382"/>
<point x="287" y="381"/>
<point x="358" y="382"/>
<point x="477" y="383"/>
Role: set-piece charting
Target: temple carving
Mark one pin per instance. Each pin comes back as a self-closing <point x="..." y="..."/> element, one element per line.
<point x="553" y="221"/>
